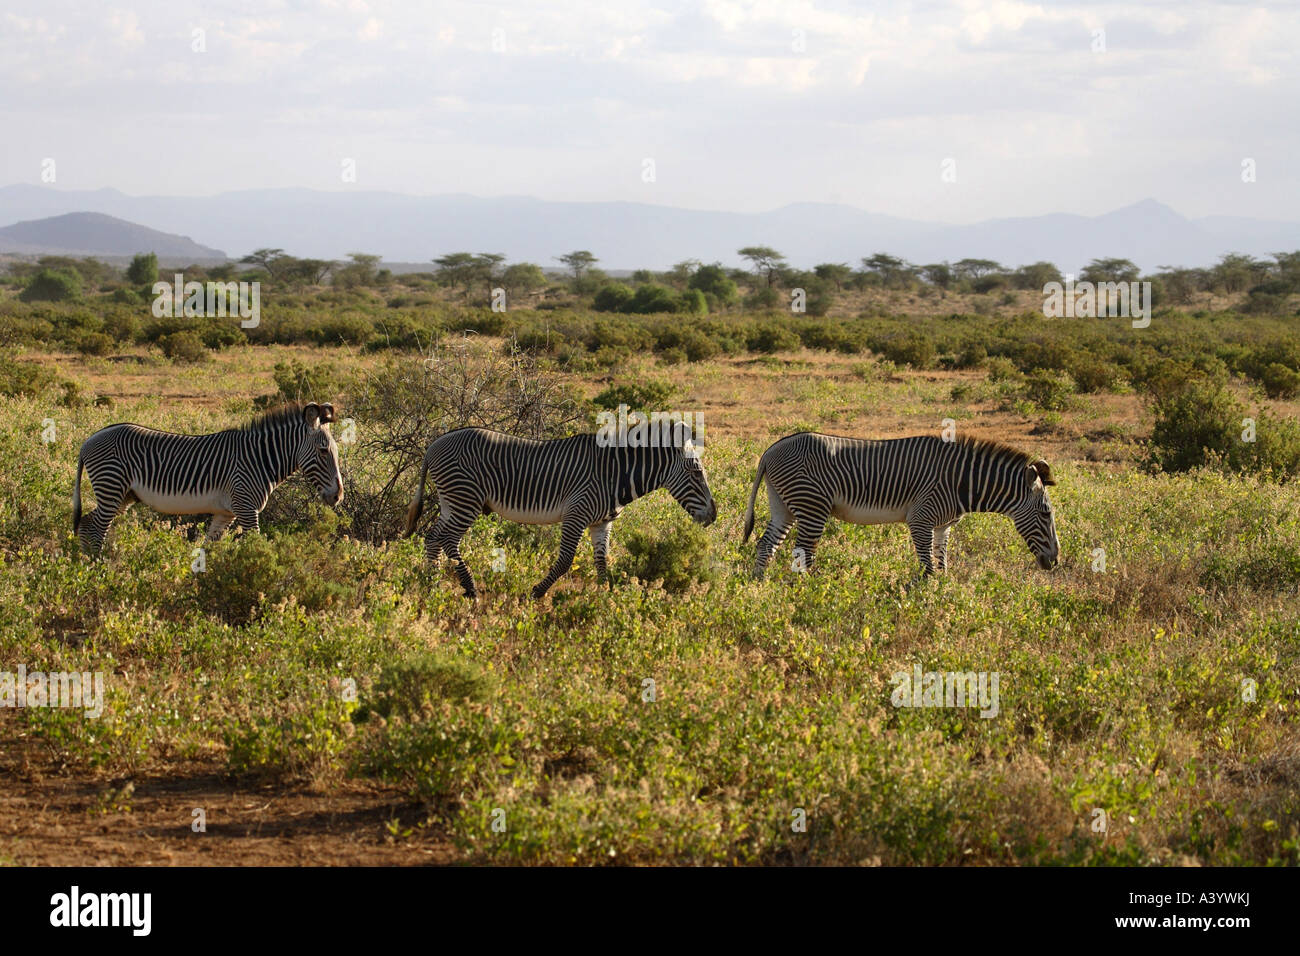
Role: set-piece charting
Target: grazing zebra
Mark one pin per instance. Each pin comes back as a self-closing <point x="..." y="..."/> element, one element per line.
<point x="577" y="482"/>
<point x="226" y="474"/>
<point x="924" y="481"/>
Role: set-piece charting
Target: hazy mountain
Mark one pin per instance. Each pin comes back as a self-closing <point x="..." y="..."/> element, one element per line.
<point x="96" y="234"/>
<point x="635" y="235"/>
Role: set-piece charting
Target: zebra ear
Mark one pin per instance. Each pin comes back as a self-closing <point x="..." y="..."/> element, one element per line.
<point x="311" y="414"/>
<point x="1044" y="471"/>
<point x="327" y="414"/>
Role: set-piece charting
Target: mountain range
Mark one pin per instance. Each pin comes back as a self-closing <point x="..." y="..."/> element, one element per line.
<point x="95" y="234"/>
<point x="623" y="235"/>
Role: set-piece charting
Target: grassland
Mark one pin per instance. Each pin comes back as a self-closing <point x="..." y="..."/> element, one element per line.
<point x="1158" y="686"/>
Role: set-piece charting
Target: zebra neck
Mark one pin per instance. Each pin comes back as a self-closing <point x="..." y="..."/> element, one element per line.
<point x="642" y="471"/>
<point x="271" y="454"/>
<point x="986" y="486"/>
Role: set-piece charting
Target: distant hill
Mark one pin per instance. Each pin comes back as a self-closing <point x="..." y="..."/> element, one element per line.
<point x="96" y="234"/>
<point x="623" y="235"/>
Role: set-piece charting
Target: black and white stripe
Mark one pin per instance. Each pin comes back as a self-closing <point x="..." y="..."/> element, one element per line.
<point x="576" y="482"/>
<point x="227" y="474"/>
<point x="924" y="481"/>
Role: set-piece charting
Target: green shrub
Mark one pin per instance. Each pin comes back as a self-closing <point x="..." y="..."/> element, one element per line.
<point x="770" y="337"/>
<point x="52" y="285"/>
<point x="184" y="347"/>
<point x="643" y="396"/>
<point x="1195" y="425"/>
<point x="915" y="349"/>
<point x="649" y="299"/>
<point x="1048" y="390"/>
<point x="405" y="687"/>
<point x="249" y="573"/>
<point x="679" y="559"/>
<point x="1280" y="381"/>
<point x="95" y="343"/>
<point x="23" y="378"/>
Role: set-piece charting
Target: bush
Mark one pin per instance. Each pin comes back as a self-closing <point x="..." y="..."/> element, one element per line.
<point x="406" y="687"/>
<point x="1048" y="390"/>
<point x="143" y="270"/>
<point x="762" y="299"/>
<point x="23" y="378"/>
<point x="692" y="302"/>
<point x="650" y="299"/>
<point x="612" y="298"/>
<point x="972" y="355"/>
<point x="679" y="560"/>
<point x="95" y="343"/>
<point x="1280" y="381"/>
<point x="184" y="347"/>
<point x="644" y="396"/>
<point x="915" y="349"/>
<point x="1196" y="426"/>
<point x="714" y="282"/>
<point x="770" y="337"/>
<point x="52" y="285"/>
<point x="1093" y="375"/>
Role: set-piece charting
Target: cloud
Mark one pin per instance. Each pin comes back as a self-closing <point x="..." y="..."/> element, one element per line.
<point x="747" y="103"/>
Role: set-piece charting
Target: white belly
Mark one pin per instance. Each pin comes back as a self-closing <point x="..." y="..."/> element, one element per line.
<point x="183" y="504"/>
<point x="857" y="515"/>
<point x="528" y="516"/>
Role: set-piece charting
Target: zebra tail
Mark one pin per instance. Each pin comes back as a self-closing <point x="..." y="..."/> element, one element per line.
<point x="417" y="503"/>
<point x="76" y="497"/>
<point x="753" y="493"/>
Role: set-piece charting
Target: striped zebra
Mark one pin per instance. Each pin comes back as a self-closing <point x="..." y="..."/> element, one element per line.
<point x="924" y="481"/>
<point x="227" y="474"/>
<point x="578" y="482"/>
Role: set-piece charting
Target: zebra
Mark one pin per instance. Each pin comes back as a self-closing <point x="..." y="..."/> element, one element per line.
<point x="227" y="474"/>
<point x="581" y="482"/>
<point x="927" y="482"/>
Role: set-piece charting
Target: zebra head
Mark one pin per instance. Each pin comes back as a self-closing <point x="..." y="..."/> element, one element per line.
<point x="318" y="454"/>
<point x="685" y="479"/>
<point x="1033" y="515"/>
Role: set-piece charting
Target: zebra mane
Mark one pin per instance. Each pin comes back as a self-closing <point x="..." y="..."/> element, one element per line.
<point x="284" y="415"/>
<point x="995" y="449"/>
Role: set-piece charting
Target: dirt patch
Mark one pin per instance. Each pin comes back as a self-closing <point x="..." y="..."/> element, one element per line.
<point x="50" y="816"/>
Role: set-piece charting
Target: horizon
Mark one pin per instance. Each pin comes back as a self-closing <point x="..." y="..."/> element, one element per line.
<point x="1145" y="201"/>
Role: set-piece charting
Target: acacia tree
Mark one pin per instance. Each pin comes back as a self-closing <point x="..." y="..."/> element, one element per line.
<point x="765" y="260"/>
<point x="523" y="278"/>
<point x="891" y="271"/>
<point x="579" y="262"/>
<point x="836" y="272"/>
<point x="272" y="261"/>
<point x="972" y="269"/>
<point x="1109" y="270"/>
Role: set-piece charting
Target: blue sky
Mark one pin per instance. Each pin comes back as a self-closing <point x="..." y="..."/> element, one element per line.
<point x="1029" y="107"/>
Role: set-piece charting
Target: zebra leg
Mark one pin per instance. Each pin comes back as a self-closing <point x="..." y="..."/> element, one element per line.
<point x="110" y="501"/>
<point x="940" y="546"/>
<point x="570" y="535"/>
<point x="808" y="533"/>
<point x="220" y="522"/>
<point x="778" y="526"/>
<point x="248" y="520"/>
<point x="923" y="532"/>
<point x="600" y="548"/>
<point x="449" y="529"/>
